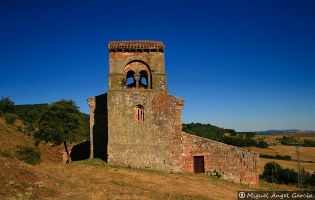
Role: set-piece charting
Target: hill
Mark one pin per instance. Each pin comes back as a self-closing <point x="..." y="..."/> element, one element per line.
<point x="287" y="131"/>
<point x="94" y="179"/>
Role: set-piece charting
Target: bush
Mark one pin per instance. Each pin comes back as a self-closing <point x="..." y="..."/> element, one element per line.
<point x="29" y="155"/>
<point x="216" y="174"/>
<point x="308" y="143"/>
<point x="10" y="118"/>
<point x="247" y="134"/>
<point x="279" y="157"/>
<point x="287" y="176"/>
<point x="6" y="154"/>
<point x="262" y="144"/>
<point x="311" y="180"/>
<point x="6" y="105"/>
<point x="240" y="142"/>
<point x="285" y="140"/>
<point x="273" y="172"/>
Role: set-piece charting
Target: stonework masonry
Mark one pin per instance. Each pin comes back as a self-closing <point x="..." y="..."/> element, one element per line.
<point x="138" y="124"/>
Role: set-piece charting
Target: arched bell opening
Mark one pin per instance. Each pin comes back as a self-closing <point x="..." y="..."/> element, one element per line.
<point x="144" y="81"/>
<point x="130" y="79"/>
<point x="138" y="75"/>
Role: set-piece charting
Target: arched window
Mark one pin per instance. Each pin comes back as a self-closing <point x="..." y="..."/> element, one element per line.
<point x="139" y="113"/>
<point x="131" y="81"/>
<point x="138" y="75"/>
<point x="143" y="82"/>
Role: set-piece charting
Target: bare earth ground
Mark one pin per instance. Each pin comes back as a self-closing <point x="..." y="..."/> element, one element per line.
<point x="95" y="180"/>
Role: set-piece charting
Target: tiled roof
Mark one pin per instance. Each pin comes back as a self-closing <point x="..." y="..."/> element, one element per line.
<point x="136" y="45"/>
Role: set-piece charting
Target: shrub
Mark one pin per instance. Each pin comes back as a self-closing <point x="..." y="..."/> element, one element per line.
<point x="19" y="128"/>
<point x="284" y="157"/>
<point x="240" y="142"/>
<point x="28" y="154"/>
<point x="308" y="143"/>
<point x="287" y="176"/>
<point x="10" y="118"/>
<point x="247" y="134"/>
<point x="262" y="144"/>
<point x="285" y="140"/>
<point x="311" y="180"/>
<point x="271" y="172"/>
<point x="6" y="154"/>
<point x="6" y="105"/>
<point x="216" y="174"/>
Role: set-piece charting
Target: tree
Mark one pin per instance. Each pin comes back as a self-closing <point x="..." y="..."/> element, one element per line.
<point x="59" y="124"/>
<point x="6" y="105"/>
<point x="271" y="172"/>
<point x="262" y="144"/>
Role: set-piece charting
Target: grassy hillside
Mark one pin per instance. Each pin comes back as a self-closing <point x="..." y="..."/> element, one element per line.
<point x="94" y="179"/>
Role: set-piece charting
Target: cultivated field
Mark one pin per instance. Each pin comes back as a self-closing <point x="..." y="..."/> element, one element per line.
<point x="274" y="139"/>
<point x="307" y="154"/>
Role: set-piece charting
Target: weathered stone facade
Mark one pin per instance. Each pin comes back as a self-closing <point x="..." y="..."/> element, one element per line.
<point x="231" y="162"/>
<point x="138" y="124"/>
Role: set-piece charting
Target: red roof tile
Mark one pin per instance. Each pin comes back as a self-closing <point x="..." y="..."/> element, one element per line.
<point x="135" y="45"/>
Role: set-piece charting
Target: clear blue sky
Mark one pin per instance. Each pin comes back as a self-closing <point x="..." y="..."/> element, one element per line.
<point x="247" y="65"/>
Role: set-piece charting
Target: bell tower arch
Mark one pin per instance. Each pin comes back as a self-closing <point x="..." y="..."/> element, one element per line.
<point x="138" y="75"/>
<point x="136" y="65"/>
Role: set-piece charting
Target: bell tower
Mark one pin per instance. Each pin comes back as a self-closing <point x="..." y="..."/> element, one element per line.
<point x="136" y="65"/>
<point x="138" y="105"/>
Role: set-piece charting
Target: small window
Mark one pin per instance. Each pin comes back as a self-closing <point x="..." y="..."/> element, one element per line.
<point x="139" y="113"/>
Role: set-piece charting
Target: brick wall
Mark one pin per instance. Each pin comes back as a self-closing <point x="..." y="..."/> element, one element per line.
<point x="235" y="164"/>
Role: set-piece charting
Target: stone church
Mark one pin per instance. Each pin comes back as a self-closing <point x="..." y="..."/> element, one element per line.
<point x="138" y="124"/>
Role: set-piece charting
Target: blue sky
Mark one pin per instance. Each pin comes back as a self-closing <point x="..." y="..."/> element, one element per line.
<point x="247" y="65"/>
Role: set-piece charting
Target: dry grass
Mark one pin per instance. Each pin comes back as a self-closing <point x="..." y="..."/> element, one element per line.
<point x="95" y="180"/>
<point x="307" y="154"/>
<point x="10" y="138"/>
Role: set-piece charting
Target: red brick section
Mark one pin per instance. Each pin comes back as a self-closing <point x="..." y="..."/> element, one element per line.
<point x="235" y="164"/>
<point x="176" y="145"/>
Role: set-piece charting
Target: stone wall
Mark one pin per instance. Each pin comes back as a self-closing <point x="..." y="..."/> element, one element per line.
<point x="98" y="126"/>
<point x="235" y="164"/>
<point x="146" y="144"/>
<point x="137" y="144"/>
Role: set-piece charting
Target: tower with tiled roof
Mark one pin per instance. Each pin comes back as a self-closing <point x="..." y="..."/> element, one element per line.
<point x="140" y="119"/>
